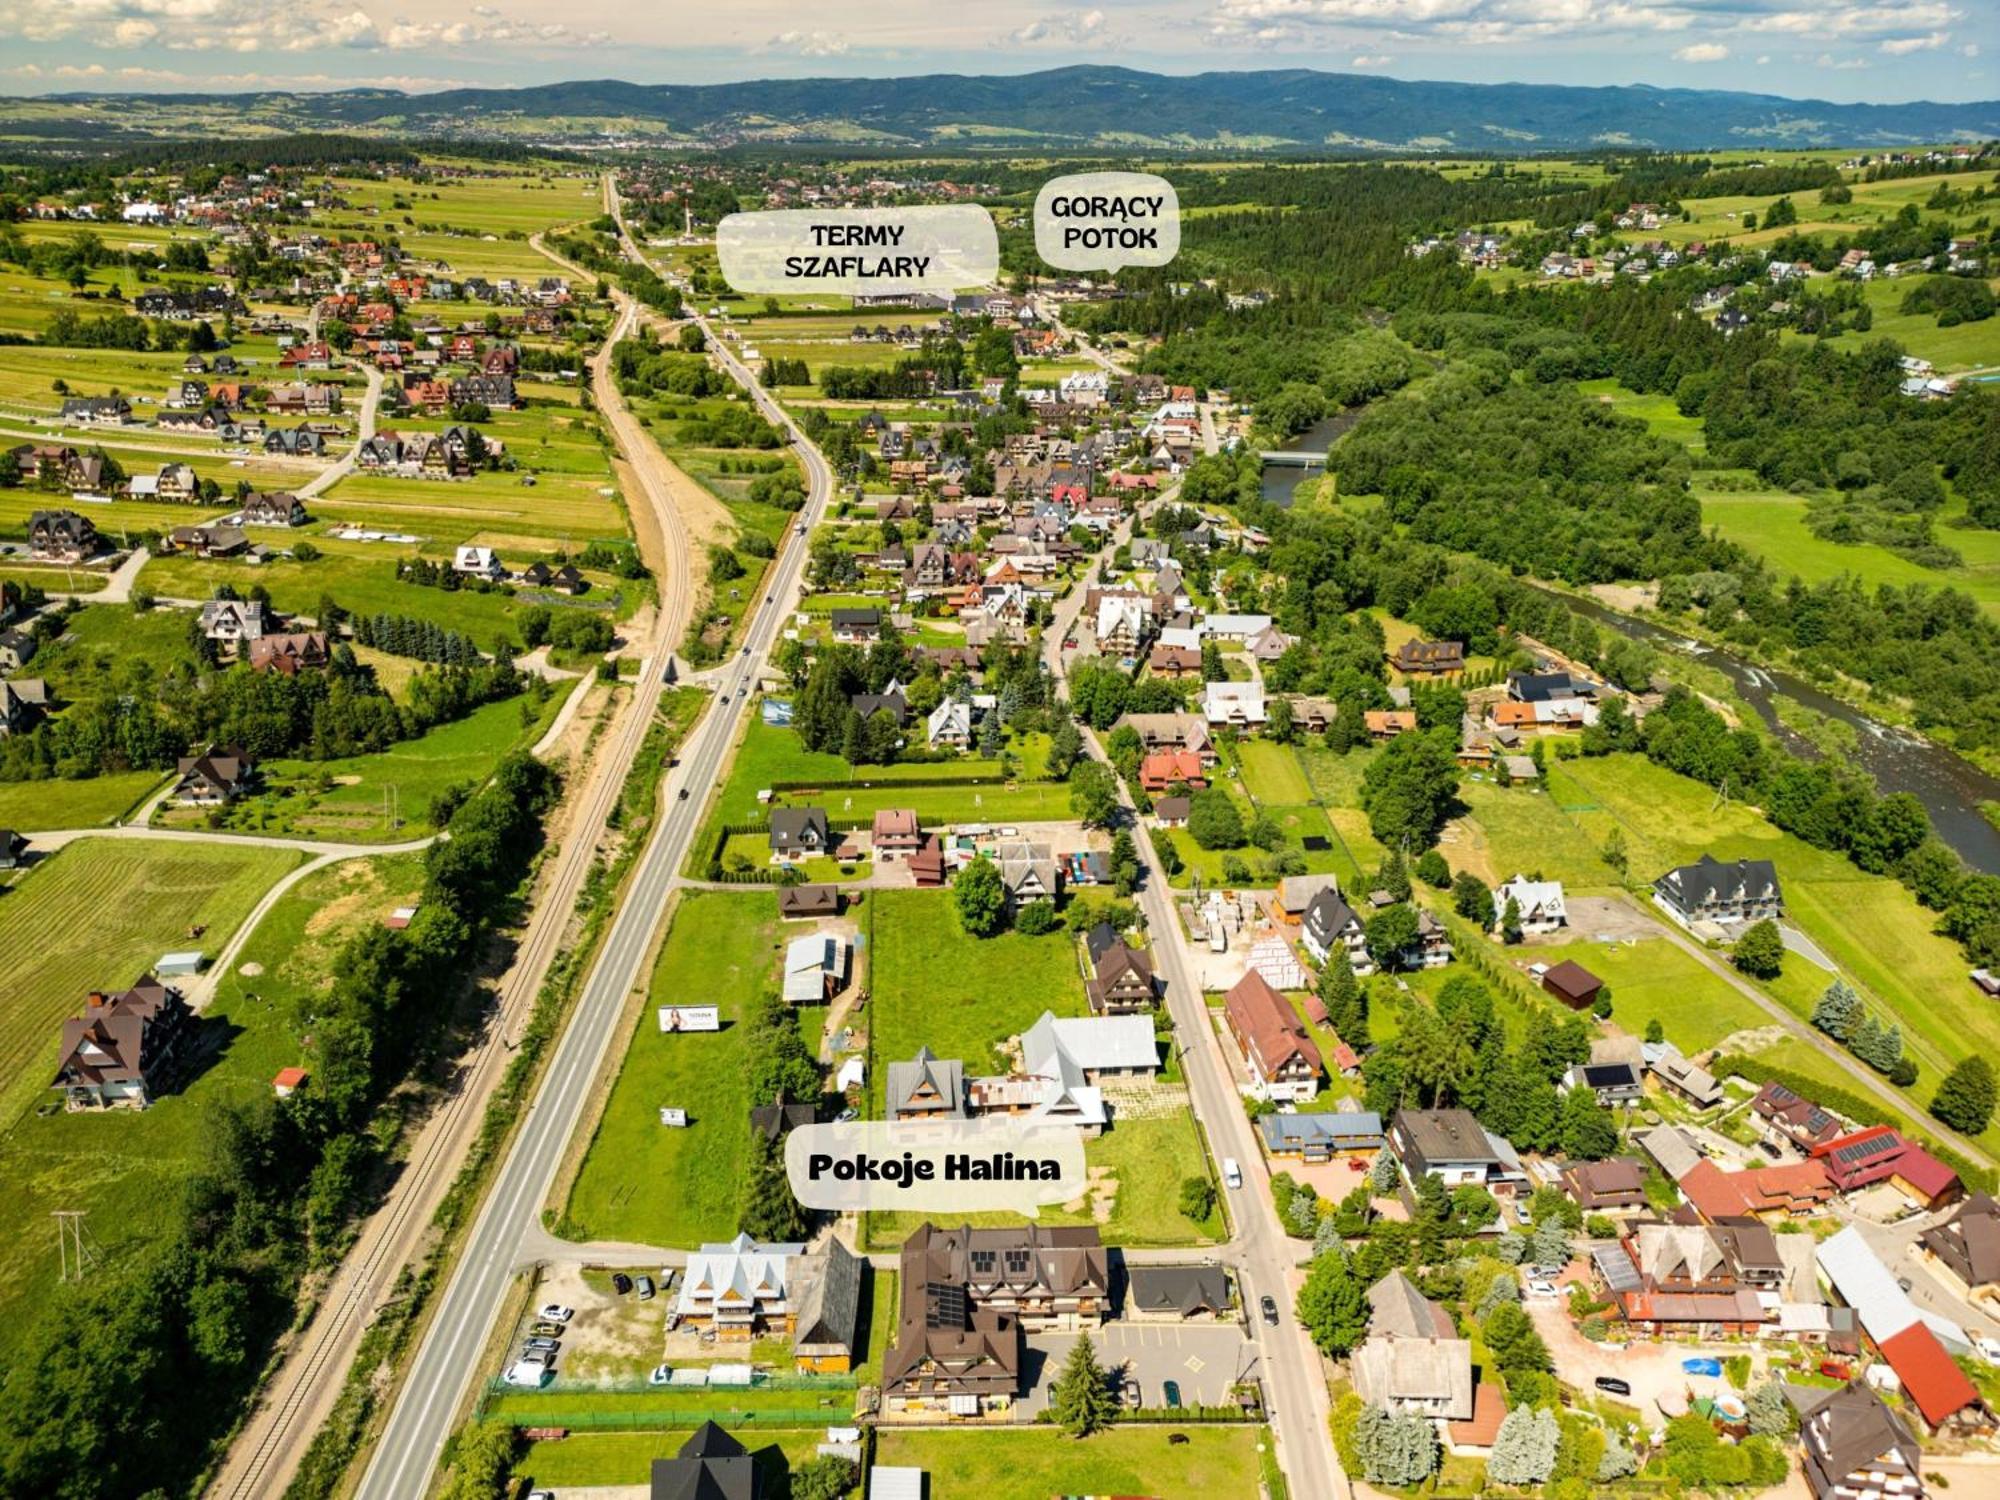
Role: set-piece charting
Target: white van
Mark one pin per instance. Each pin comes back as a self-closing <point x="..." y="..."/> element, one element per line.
<point x="1231" y="1173"/>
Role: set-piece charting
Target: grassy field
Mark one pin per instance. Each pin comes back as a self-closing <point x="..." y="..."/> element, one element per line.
<point x="1772" y="524"/>
<point x="641" y="1181"/>
<point x="1030" y="1464"/>
<point x="1654" y="980"/>
<point x="932" y="984"/>
<point x="352" y="800"/>
<point x="586" y="1459"/>
<point x="1657" y="411"/>
<point x="29" y="806"/>
<point x="1967" y="346"/>
<point x="1508" y="831"/>
<point x="97" y="915"/>
<point x="120" y="1166"/>
<point x="1870" y="925"/>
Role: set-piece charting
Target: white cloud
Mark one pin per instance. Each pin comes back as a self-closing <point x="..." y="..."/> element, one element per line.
<point x="1970" y="49"/>
<point x="807" y="43"/>
<point x="248" y="26"/>
<point x="1076" y="28"/>
<point x="1763" y="59"/>
<point x="1370" y="60"/>
<point x="1899" y="45"/>
<point x="1702" y="52"/>
<point x="1840" y="64"/>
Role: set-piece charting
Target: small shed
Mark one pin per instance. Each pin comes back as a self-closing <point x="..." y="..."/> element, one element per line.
<point x="1573" y="984"/>
<point x="288" y="1081"/>
<point x="181" y="965"/>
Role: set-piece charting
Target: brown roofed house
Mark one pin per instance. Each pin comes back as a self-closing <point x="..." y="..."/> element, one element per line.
<point x="1274" y="1040"/>
<point x="808" y="900"/>
<point x="1966" y="1247"/>
<point x="1121" y="976"/>
<point x="119" y="1049"/>
<point x="896" y="832"/>
<point x="1429" y="658"/>
<point x="219" y="774"/>
<point x="290" y="653"/>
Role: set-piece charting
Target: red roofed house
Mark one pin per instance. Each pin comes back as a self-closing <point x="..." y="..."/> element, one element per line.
<point x="1475" y="1437"/>
<point x="1882" y="1154"/>
<point x="1163" y="768"/>
<point x="1940" y="1389"/>
<point x="927" y="863"/>
<point x="1795" y="1188"/>
<point x="1274" y="1041"/>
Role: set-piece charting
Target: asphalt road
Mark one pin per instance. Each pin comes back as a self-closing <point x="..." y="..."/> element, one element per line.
<point x="447" y="1360"/>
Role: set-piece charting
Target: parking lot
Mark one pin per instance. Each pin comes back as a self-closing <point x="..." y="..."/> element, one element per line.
<point x="1203" y="1359"/>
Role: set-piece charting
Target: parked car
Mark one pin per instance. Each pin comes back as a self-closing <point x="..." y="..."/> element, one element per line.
<point x="1613" y="1385"/>
<point x="555" y="1312"/>
<point x="1903" y="1282"/>
<point x="541" y="1495"/>
<point x="1522" y="1212"/>
<point x="620" y="1283"/>
<point x="529" y="1372"/>
<point x="645" y="1289"/>
<point x="1130" y="1392"/>
<point x="850" y="1113"/>
<point x="1172" y="1391"/>
<point x="1268" y="1305"/>
<point x="542" y="1346"/>
<point x="547" y="1330"/>
<point x="1541" y="1288"/>
<point x="660" y="1375"/>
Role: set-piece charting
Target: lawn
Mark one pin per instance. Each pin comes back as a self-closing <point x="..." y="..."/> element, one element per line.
<point x="1031" y="1464"/>
<point x="931" y="984"/>
<point x="1297" y="823"/>
<point x="1509" y="831"/>
<point x="121" y="1166"/>
<point x="640" y="1180"/>
<point x="387" y="797"/>
<point x="1654" y="980"/>
<point x="30" y="806"/>
<point x="96" y="915"/>
<point x="1658" y="412"/>
<point x="1271" y="772"/>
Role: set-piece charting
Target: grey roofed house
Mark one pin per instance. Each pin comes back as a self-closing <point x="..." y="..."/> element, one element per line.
<point x="1968" y="1243"/>
<point x="1177" y="1291"/>
<point x="1316" y="1135"/>
<point x="1396" y="1308"/>
<point x="1695" y="1084"/>
<point x="1028" y="871"/>
<point x="712" y="1465"/>
<point x="1854" y="1444"/>
<point x="815" y="968"/>
<point x="927" y="1087"/>
<point x="1172" y="810"/>
<point x="1709" y="890"/>
<point x="827" y="1289"/>
<point x="1542" y="687"/>
<point x="1673" y="1148"/>
<point x="1413" y="1359"/>
<point x="870" y="704"/>
<point x="799" y="830"/>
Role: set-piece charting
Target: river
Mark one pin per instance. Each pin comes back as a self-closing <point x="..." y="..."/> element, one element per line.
<point x="1281" y="479"/>
<point x="1949" y="786"/>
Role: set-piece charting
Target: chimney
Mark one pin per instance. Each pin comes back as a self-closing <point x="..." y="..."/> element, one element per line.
<point x="95" y="1000"/>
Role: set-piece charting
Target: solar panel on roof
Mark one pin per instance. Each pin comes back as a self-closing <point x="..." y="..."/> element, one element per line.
<point x="984" y="1261"/>
<point x="944" y="1305"/>
<point x="1856" y="1151"/>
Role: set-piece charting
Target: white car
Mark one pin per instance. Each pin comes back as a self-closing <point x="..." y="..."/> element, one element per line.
<point x="555" y="1312"/>
<point x="661" y="1375"/>
<point x="1989" y="1349"/>
<point x="1540" y="1288"/>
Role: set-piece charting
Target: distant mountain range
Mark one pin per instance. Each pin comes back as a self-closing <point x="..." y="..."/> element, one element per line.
<point x="1079" y="107"/>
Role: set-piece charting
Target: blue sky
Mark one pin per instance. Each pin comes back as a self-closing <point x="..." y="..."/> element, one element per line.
<point x="1844" y="50"/>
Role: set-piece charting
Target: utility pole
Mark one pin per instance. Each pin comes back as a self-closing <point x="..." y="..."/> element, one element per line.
<point x="72" y="1247"/>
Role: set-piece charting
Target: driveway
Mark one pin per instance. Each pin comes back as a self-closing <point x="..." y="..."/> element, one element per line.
<point x="1203" y="1359"/>
<point x="1653" y="1370"/>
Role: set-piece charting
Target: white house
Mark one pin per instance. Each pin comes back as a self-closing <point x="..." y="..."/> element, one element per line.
<point x="1121" y="624"/>
<point x="1540" y="902"/>
<point x="950" y="723"/>
<point x="1234" y="627"/>
<point x="1238" y="704"/>
<point x="478" y="562"/>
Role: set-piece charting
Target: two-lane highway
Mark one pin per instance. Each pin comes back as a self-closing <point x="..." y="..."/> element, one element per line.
<point x="447" y="1360"/>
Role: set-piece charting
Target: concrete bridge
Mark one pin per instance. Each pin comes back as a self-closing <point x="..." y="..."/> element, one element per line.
<point x="1296" y="458"/>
